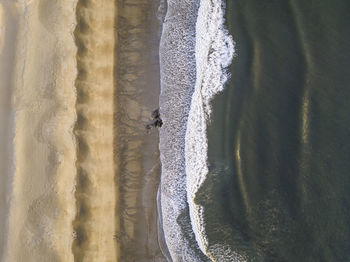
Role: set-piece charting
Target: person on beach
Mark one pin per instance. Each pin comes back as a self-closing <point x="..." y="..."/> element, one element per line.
<point x="157" y="121"/>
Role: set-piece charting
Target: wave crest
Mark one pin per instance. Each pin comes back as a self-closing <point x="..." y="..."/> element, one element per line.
<point x="214" y="53"/>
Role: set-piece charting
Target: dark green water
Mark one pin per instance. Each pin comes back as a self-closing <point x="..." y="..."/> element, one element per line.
<point x="279" y="139"/>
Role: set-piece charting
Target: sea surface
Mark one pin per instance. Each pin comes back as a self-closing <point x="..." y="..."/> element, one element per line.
<point x="255" y="154"/>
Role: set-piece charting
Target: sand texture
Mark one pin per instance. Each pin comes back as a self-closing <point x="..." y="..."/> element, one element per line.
<point x="94" y="224"/>
<point x="137" y="81"/>
<point x="41" y="83"/>
<point x="79" y="173"/>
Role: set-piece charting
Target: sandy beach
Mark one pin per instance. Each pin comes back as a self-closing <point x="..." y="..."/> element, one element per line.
<point x="42" y="90"/>
<point x="8" y="31"/>
<point x="137" y="81"/>
<point x="79" y="173"/>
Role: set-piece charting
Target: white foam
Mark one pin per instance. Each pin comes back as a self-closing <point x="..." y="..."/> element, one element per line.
<point x="178" y="75"/>
<point x="214" y="52"/>
<point x="224" y="253"/>
<point x="195" y="49"/>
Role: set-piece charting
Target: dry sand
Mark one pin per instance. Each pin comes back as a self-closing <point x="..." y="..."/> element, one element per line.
<point x="78" y="172"/>
<point x="43" y="98"/>
<point x="8" y="31"/>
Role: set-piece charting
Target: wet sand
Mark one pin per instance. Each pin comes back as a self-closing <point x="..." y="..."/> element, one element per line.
<point x="79" y="172"/>
<point x="137" y="80"/>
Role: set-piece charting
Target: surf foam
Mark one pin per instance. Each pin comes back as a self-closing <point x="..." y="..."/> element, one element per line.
<point x="195" y="49"/>
<point x="178" y="75"/>
<point x="214" y="52"/>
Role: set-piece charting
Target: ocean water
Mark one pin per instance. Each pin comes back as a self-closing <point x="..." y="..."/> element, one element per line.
<point x="255" y="157"/>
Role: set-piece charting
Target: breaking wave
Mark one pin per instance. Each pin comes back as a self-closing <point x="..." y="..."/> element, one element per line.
<point x="214" y="52"/>
<point x="195" y="49"/>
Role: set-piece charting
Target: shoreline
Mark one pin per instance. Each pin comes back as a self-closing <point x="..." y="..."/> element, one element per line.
<point x="161" y="237"/>
<point x="178" y="75"/>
